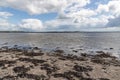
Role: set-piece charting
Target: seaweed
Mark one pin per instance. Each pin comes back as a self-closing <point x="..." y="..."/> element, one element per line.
<point x="82" y="68"/>
<point x="34" y="61"/>
<point x="32" y="76"/>
<point x="20" y="69"/>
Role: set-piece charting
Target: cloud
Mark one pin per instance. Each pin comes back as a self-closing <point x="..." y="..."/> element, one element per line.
<point x="72" y="15"/>
<point x="79" y="23"/>
<point x="104" y="16"/>
<point x="31" y="25"/>
<point x="5" y="14"/>
<point x="102" y="8"/>
<point x="112" y="11"/>
<point x="24" y="25"/>
<point x="4" y="23"/>
<point x="112" y="7"/>
<point x="114" y="22"/>
<point x="78" y="20"/>
<point x="6" y="26"/>
<point x="43" y="6"/>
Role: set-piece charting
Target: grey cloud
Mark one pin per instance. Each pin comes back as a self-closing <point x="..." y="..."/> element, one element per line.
<point x="114" y="22"/>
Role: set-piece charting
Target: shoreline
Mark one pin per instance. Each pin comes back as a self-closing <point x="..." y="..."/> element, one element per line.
<point x="33" y="63"/>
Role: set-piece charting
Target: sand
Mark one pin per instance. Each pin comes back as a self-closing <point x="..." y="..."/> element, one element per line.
<point x="35" y="64"/>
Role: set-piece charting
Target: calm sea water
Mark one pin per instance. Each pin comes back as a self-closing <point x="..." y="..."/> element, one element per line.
<point x="89" y="41"/>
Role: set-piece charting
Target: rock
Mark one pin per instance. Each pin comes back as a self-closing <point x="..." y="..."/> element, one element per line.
<point x="9" y="77"/>
<point x="32" y="76"/>
<point x="87" y="79"/>
<point x="104" y="55"/>
<point x="82" y="68"/>
<point x="100" y="52"/>
<point x="34" y="61"/>
<point x="56" y="75"/>
<point x="4" y="49"/>
<point x="84" y="55"/>
<point x="59" y="51"/>
<point x="98" y="61"/>
<point x="20" y="69"/>
<point x="72" y="57"/>
<point x="75" y="51"/>
<point x="103" y="79"/>
<point x="68" y="75"/>
<point x="3" y="62"/>
<point x="111" y="48"/>
<point x="36" y="48"/>
<point x="34" y="54"/>
<point x="49" y="68"/>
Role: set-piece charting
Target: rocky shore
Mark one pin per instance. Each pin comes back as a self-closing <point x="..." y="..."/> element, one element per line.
<point x="36" y="64"/>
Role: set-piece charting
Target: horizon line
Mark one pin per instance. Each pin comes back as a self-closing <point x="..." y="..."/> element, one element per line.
<point x="54" y="31"/>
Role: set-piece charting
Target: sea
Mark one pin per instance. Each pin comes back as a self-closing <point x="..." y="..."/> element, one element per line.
<point x="82" y="42"/>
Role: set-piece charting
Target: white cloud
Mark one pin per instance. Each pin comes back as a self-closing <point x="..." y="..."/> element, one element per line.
<point x="77" y="20"/>
<point x="27" y="24"/>
<point x="58" y="22"/>
<point x="32" y="6"/>
<point x="112" y="11"/>
<point x="24" y="25"/>
<point x="98" y="18"/>
<point x="112" y="7"/>
<point x="71" y="13"/>
<point x="5" y="14"/>
<point x="82" y="13"/>
<point x="6" y="26"/>
<point x="31" y="25"/>
<point x="43" y="6"/>
<point x="79" y="23"/>
<point x="102" y="8"/>
<point x="4" y="23"/>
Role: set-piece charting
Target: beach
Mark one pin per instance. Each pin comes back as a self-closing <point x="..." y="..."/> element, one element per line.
<point x="59" y="39"/>
<point x="34" y="63"/>
<point x="59" y="56"/>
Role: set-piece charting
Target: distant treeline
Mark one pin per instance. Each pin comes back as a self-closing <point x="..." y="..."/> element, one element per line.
<point x="56" y="32"/>
<point x="11" y="31"/>
<point x="39" y="32"/>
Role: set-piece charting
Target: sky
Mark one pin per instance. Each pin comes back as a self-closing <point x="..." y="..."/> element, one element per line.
<point x="59" y="15"/>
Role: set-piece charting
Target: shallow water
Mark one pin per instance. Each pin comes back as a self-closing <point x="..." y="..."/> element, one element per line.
<point x="91" y="41"/>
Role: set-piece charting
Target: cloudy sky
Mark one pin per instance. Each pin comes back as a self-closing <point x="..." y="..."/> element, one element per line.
<point x="60" y="15"/>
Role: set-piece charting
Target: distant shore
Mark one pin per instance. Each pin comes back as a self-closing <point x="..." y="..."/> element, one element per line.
<point x="35" y="64"/>
<point x="60" y="32"/>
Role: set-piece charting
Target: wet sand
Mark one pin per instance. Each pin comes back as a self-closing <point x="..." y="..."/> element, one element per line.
<point x="36" y="64"/>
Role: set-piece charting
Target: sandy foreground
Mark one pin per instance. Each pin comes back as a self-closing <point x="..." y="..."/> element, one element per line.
<point x="35" y="64"/>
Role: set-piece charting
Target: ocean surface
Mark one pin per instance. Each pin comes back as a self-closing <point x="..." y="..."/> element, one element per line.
<point x="86" y="42"/>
